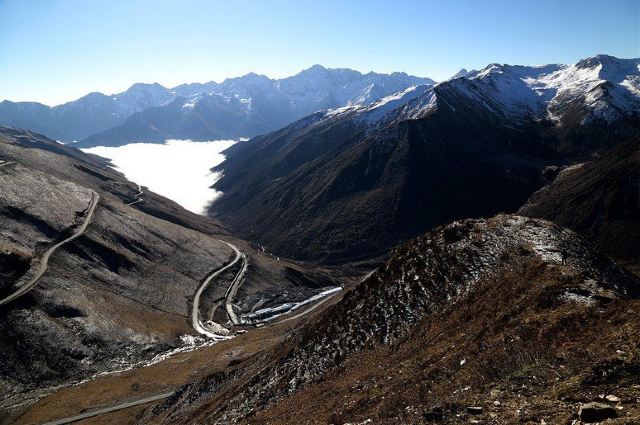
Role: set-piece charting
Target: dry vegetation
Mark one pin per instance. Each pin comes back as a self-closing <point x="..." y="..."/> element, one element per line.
<point x="512" y="347"/>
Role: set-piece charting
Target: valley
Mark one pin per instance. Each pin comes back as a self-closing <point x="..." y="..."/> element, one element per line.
<point x="97" y="298"/>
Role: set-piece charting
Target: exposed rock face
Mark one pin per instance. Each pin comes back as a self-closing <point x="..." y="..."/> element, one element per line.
<point x="353" y="182"/>
<point x="452" y="315"/>
<point x="600" y="199"/>
<point x="121" y="292"/>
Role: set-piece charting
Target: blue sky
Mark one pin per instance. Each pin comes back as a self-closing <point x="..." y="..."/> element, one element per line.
<point x="54" y="51"/>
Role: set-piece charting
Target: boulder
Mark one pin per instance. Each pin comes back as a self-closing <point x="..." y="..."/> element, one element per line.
<point x="596" y="412"/>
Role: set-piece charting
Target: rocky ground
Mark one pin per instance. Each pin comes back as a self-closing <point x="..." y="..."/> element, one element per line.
<point x="505" y="320"/>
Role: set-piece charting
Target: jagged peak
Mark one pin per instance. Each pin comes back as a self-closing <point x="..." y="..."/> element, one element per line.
<point x="600" y="59"/>
<point x="462" y="73"/>
<point x="94" y="95"/>
<point x="251" y="76"/>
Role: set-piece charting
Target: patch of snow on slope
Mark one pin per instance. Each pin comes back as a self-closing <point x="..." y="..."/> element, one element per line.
<point x="379" y="109"/>
<point x="376" y="112"/>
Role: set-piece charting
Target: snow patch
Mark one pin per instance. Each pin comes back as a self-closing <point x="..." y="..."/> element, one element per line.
<point x="578" y="298"/>
<point x="268" y="314"/>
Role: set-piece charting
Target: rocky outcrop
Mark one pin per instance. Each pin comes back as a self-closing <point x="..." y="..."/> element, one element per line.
<point x="596" y="412"/>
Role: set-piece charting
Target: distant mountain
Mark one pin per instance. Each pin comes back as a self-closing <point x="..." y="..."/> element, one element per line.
<point x="600" y="199"/>
<point x="351" y="182"/>
<point x="252" y="105"/>
<point x="238" y="107"/>
<point x="90" y="114"/>
<point x="462" y="73"/>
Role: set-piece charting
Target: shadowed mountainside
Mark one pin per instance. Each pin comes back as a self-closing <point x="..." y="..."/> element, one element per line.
<point x="351" y="183"/>
<point x="600" y="199"/>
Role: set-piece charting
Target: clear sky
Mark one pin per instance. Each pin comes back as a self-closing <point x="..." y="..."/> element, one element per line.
<point x="53" y="51"/>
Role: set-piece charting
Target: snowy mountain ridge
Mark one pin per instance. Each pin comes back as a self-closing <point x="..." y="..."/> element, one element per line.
<point x="475" y="145"/>
<point x="607" y="87"/>
<point x="274" y="102"/>
<point x="604" y="87"/>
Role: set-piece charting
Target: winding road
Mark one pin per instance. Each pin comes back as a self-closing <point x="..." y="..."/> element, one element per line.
<point x="197" y="324"/>
<point x="44" y="260"/>
<point x="195" y="313"/>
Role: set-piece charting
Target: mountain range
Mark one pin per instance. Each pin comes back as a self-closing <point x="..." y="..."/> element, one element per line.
<point x="238" y="107"/>
<point x="351" y="182"/>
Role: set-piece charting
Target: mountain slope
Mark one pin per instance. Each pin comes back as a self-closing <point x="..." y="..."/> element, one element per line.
<point x="600" y="199"/>
<point x="475" y="312"/>
<point x="355" y="181"/>
<point x="122" y="291"/>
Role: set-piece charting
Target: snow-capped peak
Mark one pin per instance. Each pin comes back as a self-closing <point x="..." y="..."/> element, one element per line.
<point x="462" y="73"/>
<point x="546" y="91"/>
<point x="602" y="87"/>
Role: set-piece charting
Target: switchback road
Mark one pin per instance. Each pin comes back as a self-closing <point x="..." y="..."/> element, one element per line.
<point x="195" y="312"/>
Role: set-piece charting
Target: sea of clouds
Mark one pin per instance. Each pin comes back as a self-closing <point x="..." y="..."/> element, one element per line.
<point x="177" y="169"/>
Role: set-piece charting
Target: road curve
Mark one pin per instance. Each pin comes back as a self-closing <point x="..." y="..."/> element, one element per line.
<point x="115" y="408"/>
<point x="138" y="197"/>
<point x="44" y="260"/>
<point x="231" y="292"/>
<point x="195" y="312"/>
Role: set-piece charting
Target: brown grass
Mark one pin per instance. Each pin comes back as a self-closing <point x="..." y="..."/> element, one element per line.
<point x="166" y="375"/>
<point x="520" y="345"/>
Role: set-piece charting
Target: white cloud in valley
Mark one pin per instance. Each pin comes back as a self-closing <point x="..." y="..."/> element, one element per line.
<point x="177" y="169"/>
